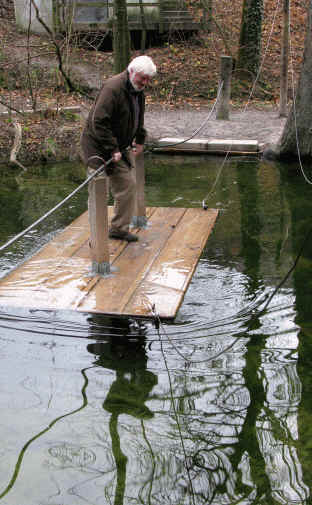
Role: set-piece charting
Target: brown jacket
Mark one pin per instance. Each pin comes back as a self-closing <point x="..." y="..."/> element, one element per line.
<point x="110" y="123"/>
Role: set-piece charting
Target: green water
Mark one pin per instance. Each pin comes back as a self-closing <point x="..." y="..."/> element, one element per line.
<point x="214" y="408"/>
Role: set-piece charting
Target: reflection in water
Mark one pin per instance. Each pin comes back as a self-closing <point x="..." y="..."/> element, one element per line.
<point x="102" y="420"/>
<point x="28" y="444"/>
<point x="271" y="378"/>
<point x="130" y="390"/>
<point x="300" y="211"/>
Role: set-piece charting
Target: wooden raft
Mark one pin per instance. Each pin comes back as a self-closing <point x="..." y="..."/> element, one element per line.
<point x="155" y="270"/>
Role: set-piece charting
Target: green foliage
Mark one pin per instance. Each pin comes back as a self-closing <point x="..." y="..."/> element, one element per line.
<point x="250" y="37"/>
<point x="70" y="116"/>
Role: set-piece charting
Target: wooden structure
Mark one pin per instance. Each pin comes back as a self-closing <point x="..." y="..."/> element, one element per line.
<point x="97" y="15"/>
<point x="156" y="270"/>
<point x="223" y="104"/>
<point x="209" y="146"/>
<point x="161" y="15"/>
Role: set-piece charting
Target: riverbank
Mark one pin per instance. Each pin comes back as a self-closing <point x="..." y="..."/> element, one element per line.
<point x="53" y="135"/>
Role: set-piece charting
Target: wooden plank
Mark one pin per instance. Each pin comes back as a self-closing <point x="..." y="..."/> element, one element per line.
<point x="172" y="271"/>
<point x="115" y="292"/>
<point x="55" y="275"/>
<point x="155" y="270"/>
<point x="208" y="146"/>
<point x="59" y="273"/>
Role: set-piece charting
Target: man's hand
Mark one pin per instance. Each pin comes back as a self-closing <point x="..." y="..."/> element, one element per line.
<point x="116" y="156"/>
<point x="137" y="149"/>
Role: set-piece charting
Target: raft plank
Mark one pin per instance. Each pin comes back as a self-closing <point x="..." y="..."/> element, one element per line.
<point x="133" y="264"/>
<point x="168" y="278"/>
<point x="156" y="270"/>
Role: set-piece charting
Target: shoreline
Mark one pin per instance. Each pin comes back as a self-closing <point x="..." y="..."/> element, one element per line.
<point x="52" y="135"/>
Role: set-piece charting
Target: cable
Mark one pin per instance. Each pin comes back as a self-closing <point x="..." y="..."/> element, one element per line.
<point x="264" y="56"/>
<point x="289" y="271"/>
<point x="157" y="324"/>
<point x="68" y="197"/>
<point x="96" y="173"/>
<point x="197" y="130"/>
<point x="204" y="204"/>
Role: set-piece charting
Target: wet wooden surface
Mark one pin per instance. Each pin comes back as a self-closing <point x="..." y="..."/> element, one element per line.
<point x="156" y="270"/>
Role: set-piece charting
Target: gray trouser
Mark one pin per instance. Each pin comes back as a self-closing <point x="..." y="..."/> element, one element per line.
<point x="123" y="188"/>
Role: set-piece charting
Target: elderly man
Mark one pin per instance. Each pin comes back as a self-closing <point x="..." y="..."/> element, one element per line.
<point x="114" y="126"/>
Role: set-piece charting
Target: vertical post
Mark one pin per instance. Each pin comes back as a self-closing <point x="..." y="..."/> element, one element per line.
<point x="161" y="16"/>
<point x="223" y="105"/>
<point x="139" y="219"/>
<point x="98" y="220"/>
<point x="284" y="61"/>
<point x="208" y="15"/>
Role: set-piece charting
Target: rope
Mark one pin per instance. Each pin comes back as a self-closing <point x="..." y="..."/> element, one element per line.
<point x="60" y="204"/>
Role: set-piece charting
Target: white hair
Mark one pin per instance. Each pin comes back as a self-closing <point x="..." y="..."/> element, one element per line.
<point x="143" y="64"/>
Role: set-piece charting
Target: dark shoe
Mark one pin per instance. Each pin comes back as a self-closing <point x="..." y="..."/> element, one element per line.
<point x="123" y="235"/>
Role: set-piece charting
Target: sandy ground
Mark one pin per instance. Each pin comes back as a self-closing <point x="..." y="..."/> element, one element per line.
<point x="263" y="125"/>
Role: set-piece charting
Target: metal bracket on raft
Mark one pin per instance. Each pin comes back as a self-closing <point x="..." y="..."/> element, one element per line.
<point x="139" y="222"/>
<point x="103" y="269"/>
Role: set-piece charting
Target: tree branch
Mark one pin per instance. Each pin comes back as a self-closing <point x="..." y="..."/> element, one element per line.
<point x="17" y="145"/>
<point x="71" y="86"/>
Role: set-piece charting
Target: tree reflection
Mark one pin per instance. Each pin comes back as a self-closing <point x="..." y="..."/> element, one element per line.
<point x="300" y="209"/>
<point x="245" y="433"/>
<point x="130" y="390"/>
<point x="268" y="435"/>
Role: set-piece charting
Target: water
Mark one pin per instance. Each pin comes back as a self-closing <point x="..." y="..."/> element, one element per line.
<point x="212" y="409"/>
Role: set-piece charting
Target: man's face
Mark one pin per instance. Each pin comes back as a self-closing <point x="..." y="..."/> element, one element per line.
<point x="139" y="80"/>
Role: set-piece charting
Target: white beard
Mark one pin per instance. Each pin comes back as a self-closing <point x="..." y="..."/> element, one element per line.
<point x="137" y="88"/>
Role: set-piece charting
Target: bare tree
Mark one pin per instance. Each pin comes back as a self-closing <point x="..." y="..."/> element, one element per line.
<point x="121" y="36"/>
<point x="297" y="133"/>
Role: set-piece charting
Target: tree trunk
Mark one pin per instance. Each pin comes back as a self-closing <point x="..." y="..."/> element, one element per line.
<point x="144" y="29"/>
<point x="297" y="133"/>
<point x="284" y="60"/>
<point x="207" y="14"/>
<point x="249" y="53"/>
<point x="121" y="37"/>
